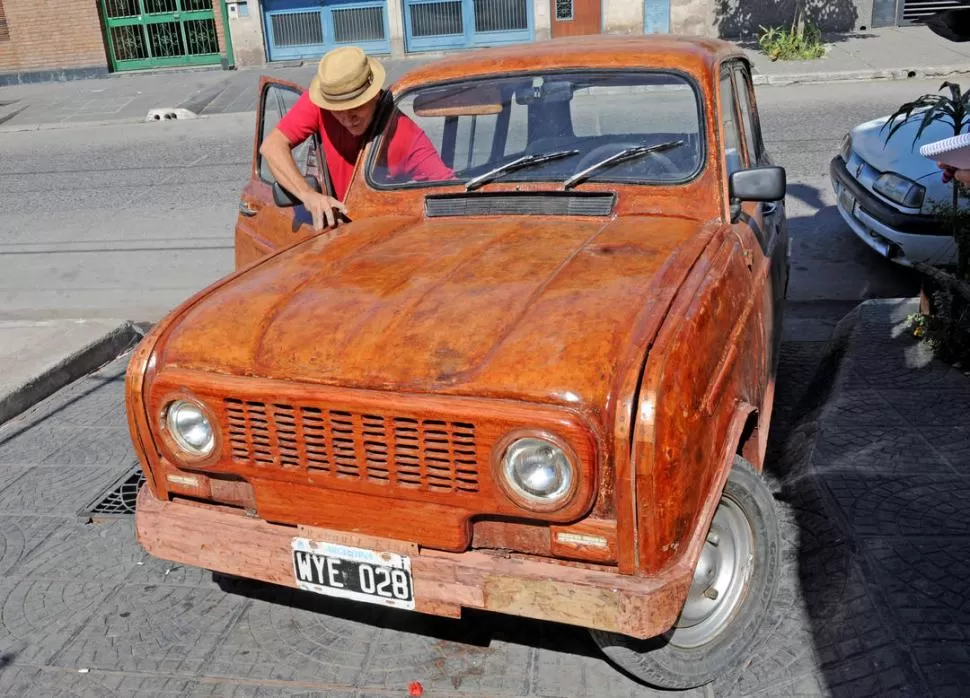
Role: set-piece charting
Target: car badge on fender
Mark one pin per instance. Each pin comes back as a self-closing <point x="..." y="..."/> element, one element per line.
<point x="858" y="170"/>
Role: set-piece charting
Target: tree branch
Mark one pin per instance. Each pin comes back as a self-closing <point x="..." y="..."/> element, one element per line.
<point x="949" y="281"/>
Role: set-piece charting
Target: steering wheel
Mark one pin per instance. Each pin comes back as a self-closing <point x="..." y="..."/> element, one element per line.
<point x="604" y="151"/>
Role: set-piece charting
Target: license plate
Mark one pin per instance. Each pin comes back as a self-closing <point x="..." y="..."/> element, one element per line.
<point x="847" y="201"/>
<point x="353" y="573"/>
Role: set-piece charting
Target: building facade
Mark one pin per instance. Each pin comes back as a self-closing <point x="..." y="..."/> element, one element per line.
<point x="279" y="30"/>
<point x="65" y="39"/>
<point x="59" y="39"/>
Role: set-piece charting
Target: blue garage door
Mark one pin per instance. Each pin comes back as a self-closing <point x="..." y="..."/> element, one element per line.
<point x="431" y="25"/>
<point x="302" y="29"/>
<point x="656" y="16"/>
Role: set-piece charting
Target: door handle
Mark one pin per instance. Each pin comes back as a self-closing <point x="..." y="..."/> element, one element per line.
<point x="246" y="210"/>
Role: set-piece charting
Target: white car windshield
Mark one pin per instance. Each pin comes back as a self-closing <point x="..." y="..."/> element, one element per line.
<point x="629" y="127"/>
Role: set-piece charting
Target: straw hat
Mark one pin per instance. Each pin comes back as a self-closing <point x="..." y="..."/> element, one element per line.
<point x="346" y="78"/>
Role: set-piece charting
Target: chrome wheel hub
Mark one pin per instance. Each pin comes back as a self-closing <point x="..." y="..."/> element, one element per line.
<point x="720" y="578"/>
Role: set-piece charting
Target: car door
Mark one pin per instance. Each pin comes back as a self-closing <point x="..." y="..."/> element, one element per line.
<point x="775" y="230"/>
<point x="262" y="227"/>
<point x="748" y="217"/>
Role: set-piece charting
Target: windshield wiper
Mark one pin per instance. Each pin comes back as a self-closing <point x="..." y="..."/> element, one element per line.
<point x="622" y="156"/>
<point x="521" y="163"/>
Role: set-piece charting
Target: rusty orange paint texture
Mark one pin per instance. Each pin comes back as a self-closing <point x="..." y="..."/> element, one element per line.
<point x="641" y="340"/>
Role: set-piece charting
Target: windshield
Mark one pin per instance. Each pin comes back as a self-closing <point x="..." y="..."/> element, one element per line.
<point x="543" y="127"/>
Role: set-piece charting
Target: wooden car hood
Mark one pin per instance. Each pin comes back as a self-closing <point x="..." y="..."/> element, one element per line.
<point x="517" y="307"/>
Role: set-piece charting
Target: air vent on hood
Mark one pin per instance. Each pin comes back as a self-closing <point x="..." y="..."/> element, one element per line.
<point x="547" y="203"/>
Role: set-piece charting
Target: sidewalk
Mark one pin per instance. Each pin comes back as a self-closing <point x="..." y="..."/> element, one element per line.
<point x="892" y="53"/>
<point x="868" y="449"/>
<point x="41" y="357"/>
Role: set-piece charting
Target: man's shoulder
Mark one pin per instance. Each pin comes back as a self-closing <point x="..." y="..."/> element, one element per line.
<point x="303" y="115"/>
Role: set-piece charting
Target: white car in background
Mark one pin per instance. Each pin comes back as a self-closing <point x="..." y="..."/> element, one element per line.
<point x="886" y="192"/>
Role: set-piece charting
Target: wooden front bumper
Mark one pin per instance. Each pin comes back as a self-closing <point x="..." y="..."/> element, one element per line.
<point x="224" y="540"/>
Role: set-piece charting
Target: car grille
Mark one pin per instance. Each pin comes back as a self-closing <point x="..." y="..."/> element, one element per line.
<point x="401" y="451"/>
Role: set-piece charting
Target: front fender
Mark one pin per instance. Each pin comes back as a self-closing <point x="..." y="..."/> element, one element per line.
<point x="705" y="375"/>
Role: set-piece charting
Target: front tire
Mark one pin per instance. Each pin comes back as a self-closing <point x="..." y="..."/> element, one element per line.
<point x="734" y="583"/>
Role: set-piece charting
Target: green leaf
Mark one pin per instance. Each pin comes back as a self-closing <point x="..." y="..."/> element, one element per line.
<point x="954" y="90"/>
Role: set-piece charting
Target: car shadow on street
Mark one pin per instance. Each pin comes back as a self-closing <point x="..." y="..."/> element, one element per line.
<point x="868" y="457"/>
<point x="828" y="260"/>
<point x="807" y="194"/>
<point x="474" y="628"/>
<point x="466" y="645"/>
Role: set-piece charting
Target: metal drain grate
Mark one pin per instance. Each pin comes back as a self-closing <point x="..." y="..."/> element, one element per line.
<point x="117" y="500"/>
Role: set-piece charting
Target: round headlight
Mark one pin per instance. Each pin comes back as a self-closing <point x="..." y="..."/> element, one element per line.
<point x="189" y="427"/>
<point x="537" y="470"/>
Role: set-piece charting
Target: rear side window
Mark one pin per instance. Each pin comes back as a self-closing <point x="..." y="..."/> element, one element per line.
<point x="729" y="125"/>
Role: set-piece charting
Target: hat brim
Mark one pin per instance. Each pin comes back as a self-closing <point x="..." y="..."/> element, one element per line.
<point x="377" y="84"/>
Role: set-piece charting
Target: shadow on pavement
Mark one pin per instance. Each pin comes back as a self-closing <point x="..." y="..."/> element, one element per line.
<point x="742" y="19"/>
<point x="869" y="461"/>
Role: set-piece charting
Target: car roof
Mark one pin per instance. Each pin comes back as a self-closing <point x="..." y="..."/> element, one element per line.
<point x="697" y="55"/>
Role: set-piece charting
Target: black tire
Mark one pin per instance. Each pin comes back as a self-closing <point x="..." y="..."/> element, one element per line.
<point x="670" y="661"/>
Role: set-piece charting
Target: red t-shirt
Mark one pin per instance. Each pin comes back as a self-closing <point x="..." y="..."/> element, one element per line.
<point x="409" y="151"/>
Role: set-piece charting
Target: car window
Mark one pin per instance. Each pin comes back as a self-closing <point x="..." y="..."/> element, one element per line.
<point x="597" y="115"/>
<point x="473" y="140"/>
<point x="752" y="145"/>
<point x="517" y="139"/>
<point x="277" y="102"/>
<point x="730" y="126"/>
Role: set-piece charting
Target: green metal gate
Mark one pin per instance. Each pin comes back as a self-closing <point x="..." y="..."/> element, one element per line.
<point x="160" y="33"/>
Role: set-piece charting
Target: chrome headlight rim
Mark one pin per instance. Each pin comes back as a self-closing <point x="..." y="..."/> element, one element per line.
<point x="177" y="445"/>
<point x="563" y="496"/>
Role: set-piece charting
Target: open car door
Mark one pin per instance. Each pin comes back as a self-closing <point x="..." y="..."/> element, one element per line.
<point x="262" y="226"/>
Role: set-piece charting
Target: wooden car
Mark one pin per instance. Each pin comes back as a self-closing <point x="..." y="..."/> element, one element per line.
<point x="541" y="389"/>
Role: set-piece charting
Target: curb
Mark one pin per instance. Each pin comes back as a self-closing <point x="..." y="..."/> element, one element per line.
<point x="126" y="120"/>
<point x="859" y="75"/>
<point x="96" y="354"/>
<point x="57" y="125"/>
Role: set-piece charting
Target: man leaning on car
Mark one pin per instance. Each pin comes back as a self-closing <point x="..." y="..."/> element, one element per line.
<point x="340" y="106"/>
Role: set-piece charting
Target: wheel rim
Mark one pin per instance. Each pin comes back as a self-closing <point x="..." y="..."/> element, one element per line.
<point x="720" y="579"/>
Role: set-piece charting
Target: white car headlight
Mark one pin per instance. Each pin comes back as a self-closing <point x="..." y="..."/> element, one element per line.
<point x="537" y="470"/>
<point x="903" y="191"/>
<point x="845" y="150"/>
<point x="189" y="427"/>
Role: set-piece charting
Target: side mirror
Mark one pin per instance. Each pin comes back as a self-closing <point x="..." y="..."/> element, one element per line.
<point x="758" y="184"/>
<point x="282" y="197"/>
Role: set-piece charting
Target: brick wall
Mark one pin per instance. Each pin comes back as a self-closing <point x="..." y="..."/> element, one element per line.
<point x="50" y="35"/>
<point x="220" y="30"/>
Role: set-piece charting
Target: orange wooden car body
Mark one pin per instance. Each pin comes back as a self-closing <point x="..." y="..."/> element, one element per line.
<point x="645" y="341"/>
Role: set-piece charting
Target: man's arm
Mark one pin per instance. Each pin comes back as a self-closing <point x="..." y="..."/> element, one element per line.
<point x="278" y="151"/>
<point x="295" y="127"/>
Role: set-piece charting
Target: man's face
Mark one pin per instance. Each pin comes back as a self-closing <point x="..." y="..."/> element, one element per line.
<point x="357" y="120"/>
